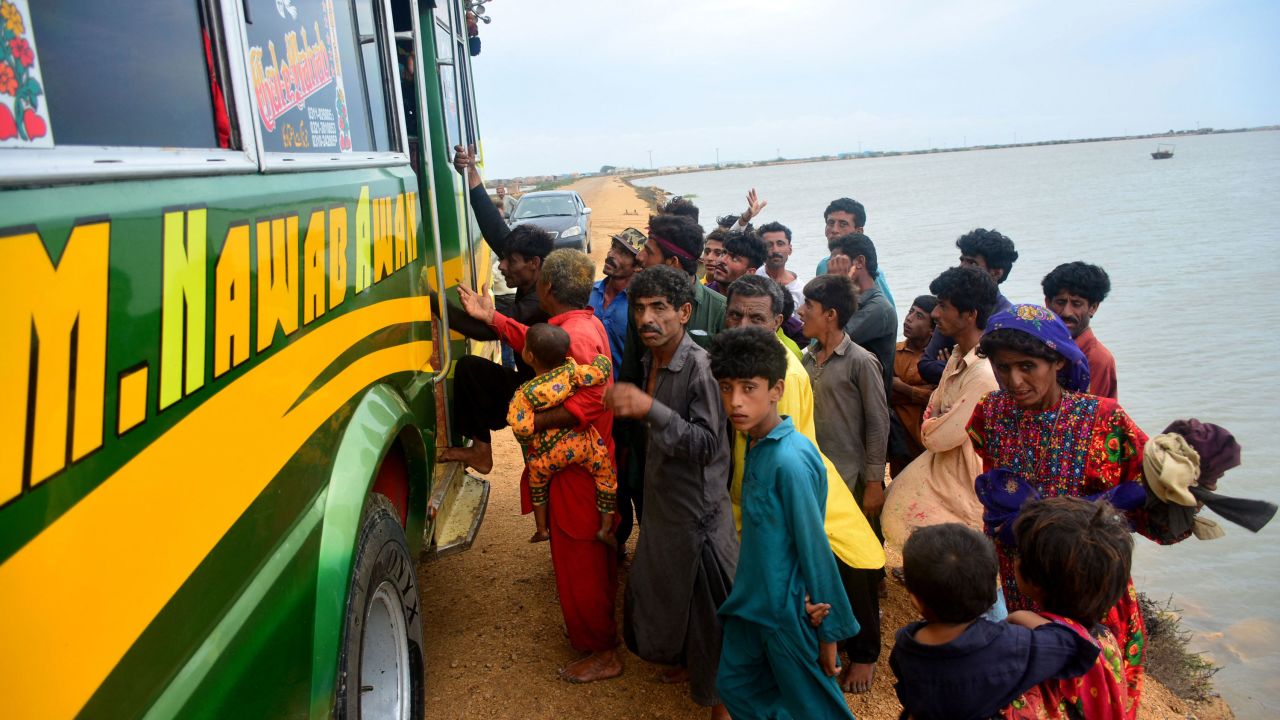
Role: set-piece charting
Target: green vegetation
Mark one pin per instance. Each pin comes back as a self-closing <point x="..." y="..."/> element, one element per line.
<point x="1187" y="674"/>
<point x="653" y="196"/>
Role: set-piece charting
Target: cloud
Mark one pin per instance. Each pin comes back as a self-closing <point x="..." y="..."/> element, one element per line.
<point x="574" y="85"/>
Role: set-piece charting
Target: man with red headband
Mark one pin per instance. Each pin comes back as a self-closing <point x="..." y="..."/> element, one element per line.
<point x="677" y="241"/>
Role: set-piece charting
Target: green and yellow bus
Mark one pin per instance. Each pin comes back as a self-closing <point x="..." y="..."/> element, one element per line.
<point x="221" y="385"/>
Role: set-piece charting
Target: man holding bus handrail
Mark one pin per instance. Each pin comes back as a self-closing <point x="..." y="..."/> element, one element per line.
<point x="483" y="388"/>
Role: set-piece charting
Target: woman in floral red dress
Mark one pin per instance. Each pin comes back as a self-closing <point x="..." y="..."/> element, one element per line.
<point x="1049" y="438"/>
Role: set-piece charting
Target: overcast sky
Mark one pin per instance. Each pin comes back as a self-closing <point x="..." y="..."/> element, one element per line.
<point x="570" y="85"/>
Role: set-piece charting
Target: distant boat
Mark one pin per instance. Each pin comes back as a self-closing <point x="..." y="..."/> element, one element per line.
<point x="1163" y="151"/>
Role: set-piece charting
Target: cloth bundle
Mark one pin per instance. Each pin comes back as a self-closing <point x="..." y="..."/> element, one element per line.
<point x="1182" y="467"/>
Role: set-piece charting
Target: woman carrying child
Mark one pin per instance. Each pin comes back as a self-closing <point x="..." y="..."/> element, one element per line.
<point x="1045" y="437"/>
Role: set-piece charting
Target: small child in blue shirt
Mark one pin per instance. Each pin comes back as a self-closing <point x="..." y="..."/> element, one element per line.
<point x="956" y="664"/>
<point x="773" y="662"/>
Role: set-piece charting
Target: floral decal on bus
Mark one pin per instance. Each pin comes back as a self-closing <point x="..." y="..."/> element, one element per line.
<point x="22" y="124"/>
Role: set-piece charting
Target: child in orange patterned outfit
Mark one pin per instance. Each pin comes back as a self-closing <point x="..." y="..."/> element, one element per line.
<point x="548" y="452"/>
<point x="1074" y="558"/>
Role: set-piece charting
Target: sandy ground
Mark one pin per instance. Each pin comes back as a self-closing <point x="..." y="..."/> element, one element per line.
<point x="493" y="630"/>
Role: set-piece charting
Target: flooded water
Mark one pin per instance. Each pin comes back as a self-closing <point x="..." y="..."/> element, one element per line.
<point x="1190" y="244"/>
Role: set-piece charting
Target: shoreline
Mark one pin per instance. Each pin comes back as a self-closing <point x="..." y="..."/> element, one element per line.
<point x="873" y="154"/>
<point x="495" y="636"/>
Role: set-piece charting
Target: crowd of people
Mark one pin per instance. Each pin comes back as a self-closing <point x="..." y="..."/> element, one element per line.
<point x="743" y="420"/>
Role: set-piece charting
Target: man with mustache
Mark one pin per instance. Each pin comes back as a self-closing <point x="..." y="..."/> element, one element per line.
<point x="674" y="241"/>
<point x="609" y="294"/>
<point x="1074" y="291"/>
<point x="688" y="553"/>
<point x="777" y="240"/>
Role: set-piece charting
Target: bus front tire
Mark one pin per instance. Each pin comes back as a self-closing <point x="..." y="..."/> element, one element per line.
<point x="380" y="672"/>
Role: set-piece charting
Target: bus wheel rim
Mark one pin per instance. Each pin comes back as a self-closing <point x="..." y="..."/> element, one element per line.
<point x="384" y="656"/>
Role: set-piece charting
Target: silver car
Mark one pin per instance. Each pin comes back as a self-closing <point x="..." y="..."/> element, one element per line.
<point x="561" y="213"/>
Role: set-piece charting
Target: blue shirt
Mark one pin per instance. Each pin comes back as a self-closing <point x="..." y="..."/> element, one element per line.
<point x="785" y="553"/>
<point x="614" y="319"/>
<point x="984" y="669"/>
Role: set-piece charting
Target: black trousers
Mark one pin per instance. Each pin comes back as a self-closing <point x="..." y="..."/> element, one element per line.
<point x="482" y="393"/>
<point x="862" y="588"/>
<point x="629" y="445"/>
<point x="860" y="489"/>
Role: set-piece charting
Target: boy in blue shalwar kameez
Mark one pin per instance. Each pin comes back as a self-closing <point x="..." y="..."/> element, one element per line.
<point x="773" y="663"/>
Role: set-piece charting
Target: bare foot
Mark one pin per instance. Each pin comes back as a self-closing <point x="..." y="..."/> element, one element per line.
<point x="596" y="666"/>
<point x="478" y="457"/>
<point x="720" y="712"/>
<point x="540" y="536"/>
<point x="857" y="677"/>
<point x="674" y="676"/>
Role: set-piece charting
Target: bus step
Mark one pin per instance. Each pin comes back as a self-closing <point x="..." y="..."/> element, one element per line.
<point x="458" y="502"/>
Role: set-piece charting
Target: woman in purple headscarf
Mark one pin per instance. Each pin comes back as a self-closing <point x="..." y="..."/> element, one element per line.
<point x="1043" y="436"/>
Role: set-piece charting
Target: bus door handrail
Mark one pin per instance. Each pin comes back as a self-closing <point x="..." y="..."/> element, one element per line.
<point x="424" y="135"/>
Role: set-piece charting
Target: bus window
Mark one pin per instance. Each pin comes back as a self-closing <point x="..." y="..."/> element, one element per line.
<point x="316" y="69"/>
<point x="445" y="59"/>
<point x="449" y="99"/>
<point x="461" y="58"/>
<point x="127" y="74"/>
<point x="372" y="50"/>
<point x="467" y="105"/>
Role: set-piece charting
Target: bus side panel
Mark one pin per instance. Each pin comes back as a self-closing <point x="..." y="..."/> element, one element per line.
<point x="240" y="329"/>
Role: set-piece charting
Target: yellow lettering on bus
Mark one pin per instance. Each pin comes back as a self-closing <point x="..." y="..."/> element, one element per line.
<point x="337" y="255"/>
<point x="364" y="266"/>
<point x="277" y="278"/>
<point x="54" y="304"/>
<point x="411" y="225"/>
<point x="313" y="269"/>
<point x="383" y="254"/>
<point x="400" y="229"/>
<point x="231" y="302"/>
<point x="131" y="399"/>
<point x="183" y="312"/>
